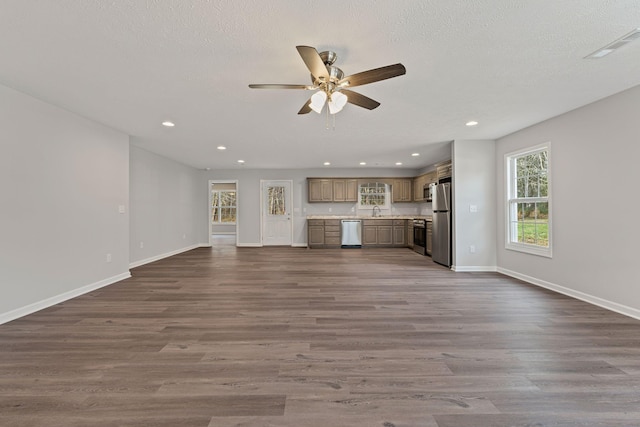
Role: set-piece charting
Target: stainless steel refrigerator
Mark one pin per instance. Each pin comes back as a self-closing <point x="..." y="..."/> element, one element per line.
<point x="441" y="244"/>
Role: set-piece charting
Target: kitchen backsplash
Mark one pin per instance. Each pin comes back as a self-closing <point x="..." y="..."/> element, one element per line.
<point x="352" y="209"/>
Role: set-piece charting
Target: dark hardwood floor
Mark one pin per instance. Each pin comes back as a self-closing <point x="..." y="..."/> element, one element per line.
<point x="313" y="338"/>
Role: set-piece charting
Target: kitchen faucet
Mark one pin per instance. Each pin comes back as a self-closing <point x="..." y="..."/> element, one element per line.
<point x="374" y="210"/>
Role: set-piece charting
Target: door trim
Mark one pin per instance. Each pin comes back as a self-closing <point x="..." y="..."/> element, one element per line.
<point x="262" y="186"/>
<point x="223" y="181"/>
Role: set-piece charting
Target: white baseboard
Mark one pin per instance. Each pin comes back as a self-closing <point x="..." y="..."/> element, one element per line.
<point x="298" y="245"/>
<point x="57" y="299"/>
<point x="249" y="245"/>
<point x="165" y="255"/>
<point x="600" y="302"/>
<point x="472" y="268"/>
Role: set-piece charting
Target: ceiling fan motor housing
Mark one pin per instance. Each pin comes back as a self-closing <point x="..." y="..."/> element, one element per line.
<point x="328" y="57"/>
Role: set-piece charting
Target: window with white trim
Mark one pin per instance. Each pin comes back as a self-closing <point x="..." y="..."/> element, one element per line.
<point x="374" y="194"/>
<point x="223" y="207"/>
<point x="529" y="200"/>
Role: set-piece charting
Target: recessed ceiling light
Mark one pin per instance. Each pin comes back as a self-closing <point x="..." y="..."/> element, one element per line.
<point x="415" y="154"/>
<point x="221" y="147"/>
<point x="327" y="163"/>
<point x="168" y="124"/>
<point x="363" y="163"/>
<point x="471" y="123"/>
<point x="241" y="161"/>
<point x="398" y="163"/>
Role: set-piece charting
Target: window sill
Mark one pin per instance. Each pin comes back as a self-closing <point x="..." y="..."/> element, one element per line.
<point x="530" y="249"/>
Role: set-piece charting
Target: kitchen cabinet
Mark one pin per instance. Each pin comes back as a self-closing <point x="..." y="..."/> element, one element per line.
<point x="332" y="232"/>
<point x="401" y="190"/>
<point x="345" y="190"/>
<point x="384" y="232"/>
<point x="444" y="170"/>
<point x="400" y="232"/>
<point x="320" y="190"/>
<point x="315" y="234"/>
<point x="422" y="181"/>
<point x="323" y="233"/>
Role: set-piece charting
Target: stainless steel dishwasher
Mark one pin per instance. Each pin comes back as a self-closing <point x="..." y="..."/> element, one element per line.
<point x="351" y="232"/>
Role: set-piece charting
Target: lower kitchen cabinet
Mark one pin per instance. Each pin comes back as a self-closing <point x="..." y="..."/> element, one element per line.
<point x="384" y="232"/>
<point x="399" y="233"/>
<point x="385" y="235"/>
<point x="332" y="233"/>
<point x="315" y="235"/>
<point x="323" y="233"/>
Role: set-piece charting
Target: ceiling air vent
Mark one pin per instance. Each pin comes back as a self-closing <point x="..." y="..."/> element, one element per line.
<point x="616" y="44"/>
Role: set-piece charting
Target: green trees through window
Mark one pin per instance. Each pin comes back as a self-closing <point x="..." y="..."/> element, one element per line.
<point x="223" y="206"/>
<point x="528" y="200"/>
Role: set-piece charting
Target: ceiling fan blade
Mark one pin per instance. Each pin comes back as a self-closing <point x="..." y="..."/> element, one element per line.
<point x="374" y="75"/>
<point x="277" y="86"/>
<point x="306" y="108"/>
<point x="360" y="100"/>
<point x="314" y="63"/>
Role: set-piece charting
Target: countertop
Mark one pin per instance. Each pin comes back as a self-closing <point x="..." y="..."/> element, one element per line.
<point x="426" y="217"/>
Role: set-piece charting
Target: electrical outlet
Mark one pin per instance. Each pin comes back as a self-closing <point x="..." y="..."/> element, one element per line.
<point x="108" y="257"/>
<point x="329" y="209"/>
<point x="472" y="249"/>
<point x="141" y="245"/>
<point x="184" y="236"/>
<point x="121" y="209"/>
<point x="473" y="208"/>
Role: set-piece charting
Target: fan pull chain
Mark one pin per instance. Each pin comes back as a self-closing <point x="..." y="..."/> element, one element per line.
<point x="327" y="120"/>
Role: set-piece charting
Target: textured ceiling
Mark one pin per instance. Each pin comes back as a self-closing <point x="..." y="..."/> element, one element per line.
<point x="132" y="64"/>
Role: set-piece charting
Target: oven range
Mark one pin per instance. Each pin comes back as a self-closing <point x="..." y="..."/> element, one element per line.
<point x="420" y="236"/>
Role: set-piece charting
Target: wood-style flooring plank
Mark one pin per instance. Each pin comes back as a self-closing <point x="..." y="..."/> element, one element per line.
<point x="226" y="336"/>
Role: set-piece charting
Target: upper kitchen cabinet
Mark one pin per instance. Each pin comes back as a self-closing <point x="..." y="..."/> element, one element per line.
<point x="422" y="181"/>
<point x="444" y="170"/>
<point x="401" y="190"/>
<point x="345" y="190"/>
<point x="329" y="190"/>
<point x="320" y="190"/>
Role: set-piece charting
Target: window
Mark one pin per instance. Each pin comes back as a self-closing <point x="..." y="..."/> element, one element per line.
<point x="276" y="201"/>
<point x="223" y="206"/>
<point x="529" y="200"/>
<point x="373" y="194"/>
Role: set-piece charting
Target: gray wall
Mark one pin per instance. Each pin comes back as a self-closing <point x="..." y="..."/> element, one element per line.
<point x="63" y="179"/>
<point x="474" y="177"/>
<point x="594" y="178"/>
<point x="168" y="207"/>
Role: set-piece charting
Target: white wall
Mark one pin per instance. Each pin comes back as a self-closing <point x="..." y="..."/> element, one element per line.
<point x="474" y="177"/>
<point x="248" y="232"/>
<point x="62" y="180"/>
<point x="595" y="175"/>
<point x="168" y="207"/>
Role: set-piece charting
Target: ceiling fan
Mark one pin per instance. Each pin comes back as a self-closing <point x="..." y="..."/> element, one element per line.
<point x="330" y="84"/>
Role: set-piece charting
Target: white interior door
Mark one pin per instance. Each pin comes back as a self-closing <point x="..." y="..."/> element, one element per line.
<point x="276" y="213"/>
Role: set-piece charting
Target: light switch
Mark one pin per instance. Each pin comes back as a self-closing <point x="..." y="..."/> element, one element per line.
<point x="473" y="208"/>
<point x="121" y="209"/>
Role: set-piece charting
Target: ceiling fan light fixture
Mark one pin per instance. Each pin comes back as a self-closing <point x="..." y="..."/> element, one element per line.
<point x="337" y="101"/>
<point x="318" y="100"/>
